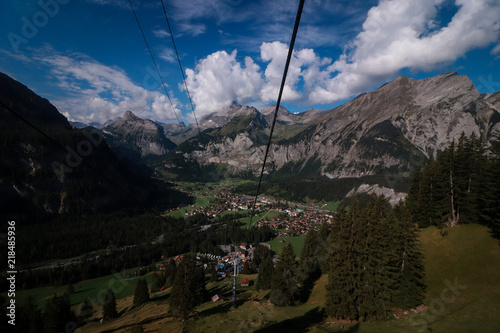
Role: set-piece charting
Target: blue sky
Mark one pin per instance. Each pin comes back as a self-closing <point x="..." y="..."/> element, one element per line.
<point x="89" y="59"/>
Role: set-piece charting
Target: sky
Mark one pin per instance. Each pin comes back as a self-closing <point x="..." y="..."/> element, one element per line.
<point x="89" y="59"/>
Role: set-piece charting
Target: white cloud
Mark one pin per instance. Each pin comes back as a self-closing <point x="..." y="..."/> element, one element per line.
<point x="303" y="65"/>
<point x="168" y="55"/>
<point x="396" y="34"/>
<point x="160" y="33"/>
<point x="219" y="79"/>
<point x="401" y="34"/>
<point x="192" y="29"/>
<point x="496" y="49"/>
<point x="96" y="92"/>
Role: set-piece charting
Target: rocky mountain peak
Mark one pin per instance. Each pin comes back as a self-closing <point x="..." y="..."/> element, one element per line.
<point x="284" y="116"/>
<point x="224" y="115"/>
<point x="128" y="115"/>
<point x="131" y="135"/>
<point x="271" y="108"/>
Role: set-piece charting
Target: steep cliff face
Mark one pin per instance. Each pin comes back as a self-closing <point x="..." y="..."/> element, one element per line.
<point x="131" y="135"/>
<point x="396" y="127"/>
<point x="49" y="167"/>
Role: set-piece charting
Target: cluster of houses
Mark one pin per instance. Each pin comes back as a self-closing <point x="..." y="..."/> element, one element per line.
<point x="298" y="222"/>
<point x="292" y="222"/>
<point x="225" y="201"/>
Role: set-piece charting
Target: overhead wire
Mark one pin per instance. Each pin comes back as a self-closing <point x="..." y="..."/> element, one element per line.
<point x="182" y="72"/>
<point x="131" y="195"/>
<point x="163" y="84"/>
<point x="157" y="70"/>
<point x="287" y="64"/>
<point x="67" y="150"/>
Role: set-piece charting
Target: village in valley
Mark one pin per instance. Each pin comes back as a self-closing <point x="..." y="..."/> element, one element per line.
<point x="289" y="220"/>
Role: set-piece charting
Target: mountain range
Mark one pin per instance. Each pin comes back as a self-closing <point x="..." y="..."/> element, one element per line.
<point x="385" y="133"/>
<point x="395" y="128"/>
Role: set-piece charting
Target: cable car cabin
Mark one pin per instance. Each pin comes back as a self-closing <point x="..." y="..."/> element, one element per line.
<point x="221" y="270"/>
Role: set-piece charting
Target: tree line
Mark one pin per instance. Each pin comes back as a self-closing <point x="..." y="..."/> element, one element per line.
<point x="125" y="242"/>
<point x="371" y="255"/>
<point x="460" y="186"/>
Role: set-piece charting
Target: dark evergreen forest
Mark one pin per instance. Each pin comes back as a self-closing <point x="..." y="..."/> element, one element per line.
<point x="462" y="185"/>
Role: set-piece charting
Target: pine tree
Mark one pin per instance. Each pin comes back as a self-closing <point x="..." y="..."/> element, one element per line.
<point x="343" y="287"/>
<point x="284" y="282"/>
<point x="309" y="266"/>
<point x="416" y="199"/>
<point x="490" y="192"/>
<point x="259" y="254"/>
<point x="445" y="197"/>
<point x="452" y="189"/>
<point x="323" y="245"/>
<point x="266" y="269"/>
<point x="157" y="282"/>
<point x="409" y="290"/>
<point x="188" y="290"/>
<point x="375" y="252"/>
<point x="86" y="310"/>
<point x="141" y="293"/>
<point x="246" y="268"/>
<point x="374" y="262"/>
<point x="170" y="271"/>
<point x="109" y="306"/>
<point x="428" y="206"/>
<point x="214" y="277"/>
<point x="57" y="314"/>
<point x="309" y="257"/>
<point x="464" y="164"/>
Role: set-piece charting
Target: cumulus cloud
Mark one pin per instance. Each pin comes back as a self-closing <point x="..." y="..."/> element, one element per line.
<point x="96" y="92"/>
<point x="401" y="34"/>
<point x="219" y="79"/>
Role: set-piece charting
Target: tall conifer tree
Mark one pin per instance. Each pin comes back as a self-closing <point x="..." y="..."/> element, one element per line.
<point x="409" y="290"/>
<point x="285" y="282"/>
<point x="141" y="293"/>
<point x="266" y="269"/>
<point x="344" y="287"/>
<point x="109" y="306"/>
<point x="188" y="290"/>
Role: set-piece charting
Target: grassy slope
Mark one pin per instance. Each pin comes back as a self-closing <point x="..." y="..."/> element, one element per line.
<point x="470" y="255"/>
<point x="94" y="289"/>
<point x="296" y="241"/>
<point x="332" y="205"/>
<point x="467" y="253"/>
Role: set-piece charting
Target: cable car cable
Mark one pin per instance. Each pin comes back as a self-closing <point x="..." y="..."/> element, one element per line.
<point x="289" y="57"/>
